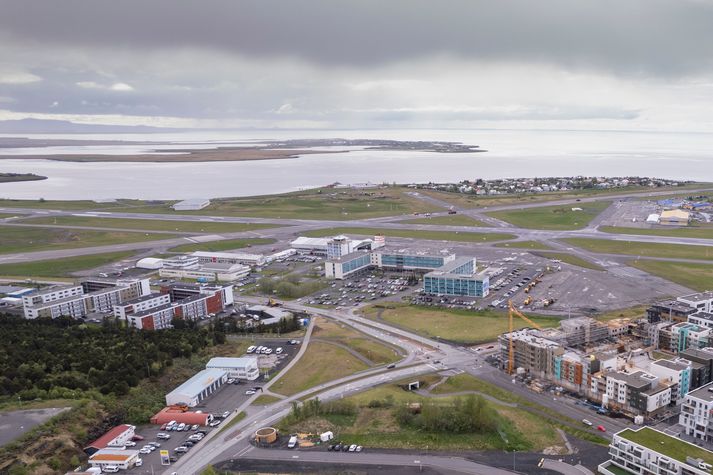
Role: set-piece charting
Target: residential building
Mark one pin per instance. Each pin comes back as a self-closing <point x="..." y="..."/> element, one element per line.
<point x="152" y="300"/>
<point x="532" y="353"/>
<point x="696" y="411"/>
<point x="669" y="311"/>
<point x="584" y="330"/>
<point x="637" y="393"/>
<point x="701" y="301"/>
<point x="240" y="368"/>
<point x="646" y="451"/>
<point x="702" y="319"/>
<point x="194" y="204"/>
<point x="686" y="335"/>
<point x="457" y="277"/>
<point x="156" y="318"/>
<point x="702" y="374"/>
<point x="197" y="388"/>
<point x="116" y="437"/>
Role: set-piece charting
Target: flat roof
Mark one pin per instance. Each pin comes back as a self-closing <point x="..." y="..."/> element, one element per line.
<point x="667" y="445"/>
<point x="151" y="311"/>
<point x="634" y="379"/>
<point x="192" y="201"/>
<point x="199" y="382"/>
<point x="226" y="362"/>
<point x="151" y="296"/>
<point x="229" y="255"/>
<point x="704" y="393"/>
<point x="707" y="295"/>
<point x="113" y="455"/>
<point x="675" y="365"/>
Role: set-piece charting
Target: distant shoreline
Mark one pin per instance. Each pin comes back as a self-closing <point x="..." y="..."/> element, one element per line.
<point x="15" y="177"/>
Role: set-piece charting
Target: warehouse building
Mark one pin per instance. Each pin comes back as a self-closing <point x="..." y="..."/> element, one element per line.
<point x="194" y="204"/>
<point x="240" y="368"/>
<point x="121" y="458"/>
<point x="197" y="388"/>
<point x="674" y="217"/>
<point x="208" y="257"/>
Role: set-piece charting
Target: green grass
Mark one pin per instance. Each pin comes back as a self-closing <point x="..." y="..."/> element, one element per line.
<point x="448" y="220"/>
<point x="667" y="445"/>
<point x="703" y="232"/>
<point x="29" y="239"/>
<point x="367" y="347"/>
<point x="61" y="267"/>
<point x="321" y="363"/>
<point x="63" y="205"/>
<point x="149" y="224"/>
<point x="537" y="245"/>
<point x="645" y="249"/>
<point x="225" y="245"/>
<point x="265" y="399"/>
<point x="553" y="217"/>
<point x="414" y="234"/>
<point x="631" y="312"/>
<point x="462" y="326"/>
<point x="694" y="276"/>
<point x="570" y="259"/>
<point x="7" y="215"/>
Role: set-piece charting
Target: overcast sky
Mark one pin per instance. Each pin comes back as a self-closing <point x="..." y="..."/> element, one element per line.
<point x="597" y="64"/>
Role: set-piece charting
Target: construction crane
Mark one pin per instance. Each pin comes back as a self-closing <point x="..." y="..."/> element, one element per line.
<point x="511" y="348"/>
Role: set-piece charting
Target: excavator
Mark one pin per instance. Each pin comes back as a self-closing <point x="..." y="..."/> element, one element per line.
<point x="511" y="347"/>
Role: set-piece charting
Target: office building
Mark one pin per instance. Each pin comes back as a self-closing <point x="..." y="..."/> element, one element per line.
<point x="701" y="301"/>
<point x="457" y="278"/>
<point x="197" y="388"/>
<point x="244" y="258"/>
<point x="239" y="368"/>
<point x="347" y="265"/>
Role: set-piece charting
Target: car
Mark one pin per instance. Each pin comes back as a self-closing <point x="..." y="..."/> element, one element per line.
<point x="230" y="381"/>
<point x="215" y="423"/>
<point x="251" y="348"/>
<point x="292" y="443"/>
<point x="189" y="443"/>
<point x="130" y="444"/>
<point x="163" y="426"/>
<point x="586" y="422"/>
<point x="202" y="432"/>
<point x="601" y="428"/>
<point x="225" y="414"/>
<point x="150" y="447"/>
<point x="330" y="448"/>
<point x="195" y="427"/>
<point x="181" y="426"/>
<point x="144" y="450"/>
<point x="352" y="448"/>
<point x="391" y="366"/>
<point x="163" y="436"/>
<point x="155" y="444"/>
<point x="172" y="459"/>
<point x="338" y="448"/>
<point x="137" y="437"/>
<point x="345" y="448"/>
<point x="359" y="448"/>
<point x="187" y="428"/>
<point x="139" y="462"/>
<point x="278" y="350"/>
<point x="249" y="392"/>
<point x="110" y="469"/>
<point x="181" y="449"/>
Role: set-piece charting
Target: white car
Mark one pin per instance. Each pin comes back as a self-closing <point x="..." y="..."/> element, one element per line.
<point x="251" y="348"/>
<point x="249" y="392"/>
<point x="352" y="448"/>
<point x="215" y="423"/>
<point x="144" y="450"/>
<point x="278" y="351"/>
<point x="230" y="381"/>
<point x="139" y="462"/>
<point x="586" y="422"/>
<point x="130" y="444"/>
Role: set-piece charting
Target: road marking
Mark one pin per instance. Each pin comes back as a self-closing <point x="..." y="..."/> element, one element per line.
<point x="295" y="456"/>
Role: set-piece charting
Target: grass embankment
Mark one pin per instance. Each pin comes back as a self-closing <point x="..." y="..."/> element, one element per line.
<point x="414" y="234"/>
<point x="265" y="399"/>
<point x="367" y="347"/>
<point x="562" y="217"/>
<point x="320" y="363"/>
<point x="52" y="204"/>
<point x="703" y="232"/>
<point x="570" y="259"/>
<point x="149" y="224"/>
<point x="219" y="246"/>
<point x="449" y="220"/>
<point x="323" y="203"/>
<point x="694" y="276"/>
<point x="61" y="267"/>
<point x="461" y="326"/>
<point x="7" y="215"/>
<point x="631" y="312"/>
<point x="29" y="239"/>
<point x="647" y="249"/>
<point x="536" y="245"/>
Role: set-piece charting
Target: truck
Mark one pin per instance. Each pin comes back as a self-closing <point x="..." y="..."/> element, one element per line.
<point x="452" y="210"/>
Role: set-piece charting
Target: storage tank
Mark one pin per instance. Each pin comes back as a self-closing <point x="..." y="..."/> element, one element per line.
<point x="266" y="435"/>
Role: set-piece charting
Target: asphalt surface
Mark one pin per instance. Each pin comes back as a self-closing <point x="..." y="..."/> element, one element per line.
<point x="15" y="423"/>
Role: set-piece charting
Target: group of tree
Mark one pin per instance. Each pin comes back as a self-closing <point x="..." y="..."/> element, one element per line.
<point x="315" y="408"/>
<point x="291" y="286"/>
<point x="467" y="415"/>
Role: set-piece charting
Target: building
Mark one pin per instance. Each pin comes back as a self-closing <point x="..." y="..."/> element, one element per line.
<point x="532" y="352"/>
<point x="147" y="302"/>
<point x="701" y="301"/>
<point x="197" y="388"/>
<point x="583" y="331"/>
<point x="150" y="263"/>
<point x="702" y="319"/>
<point x="169" y="414"/>
<point x="696" y="411"/>
<point x="669" y="311"/>
<point x="338" y="246"/>
<point x="647" y="451"/>
<point x="349" y="264"/>
<point x="637" y="393"/>
<point x="686" y="335"/>
<point x="267" y="315"/>
<point x="116" y="437"/>
<point x="674" y="217"/>
<point x="208" y="257"/>
<point x="157" y="318"/>
<point x="121" y="458"/>
<point x="457" y="277"/>
<point x="239" y="368"/>
<point x="703" y="373"/>
<point x="194" y="204"/>
<point x="213" y="272"/>
<point x="318" y="246"/>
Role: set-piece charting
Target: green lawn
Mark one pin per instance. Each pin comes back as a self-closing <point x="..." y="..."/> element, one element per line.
<point x="631" y="312"/>
<point x="448" y="220"/>
<point x="61" y="267"/>
<point x="647" y="249"/>
<point x="553" y="217"/>
<point x="64" y="205"/>
<point x="28" y="239"/>
<point x="694" y="276"/>
<point x="461" y="326"/>
<point x="414" y="234"/>
<point x="225" y="245"/>
<point x="149" y="224"/>
<point x="7" y="215"/>
<point x="321" y="363"/>
<point x="704" y="232"/>
<point x="570" y="259"/>
<point x="367" y="347"/>
<point x="537" y="245"/>
<point x="672" y="447"/>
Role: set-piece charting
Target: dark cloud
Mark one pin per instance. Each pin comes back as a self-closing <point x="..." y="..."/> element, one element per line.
<point x="651" y="37"/>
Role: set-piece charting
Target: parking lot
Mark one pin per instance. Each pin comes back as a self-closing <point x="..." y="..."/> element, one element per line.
<point x="362" y="288"/>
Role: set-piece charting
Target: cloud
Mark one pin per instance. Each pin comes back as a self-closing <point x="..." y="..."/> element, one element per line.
<point x="119" y="86"/>
<point x="18" y="77"/>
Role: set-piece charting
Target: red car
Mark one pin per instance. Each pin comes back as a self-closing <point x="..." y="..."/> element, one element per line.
<point x="601" y="428"/>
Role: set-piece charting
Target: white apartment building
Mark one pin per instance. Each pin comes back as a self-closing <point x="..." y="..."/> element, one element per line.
<point x="696" y="411"/>
<point x="141" y="304"/>
<point x="241" y="368"/>
<point x="703" y="301"/>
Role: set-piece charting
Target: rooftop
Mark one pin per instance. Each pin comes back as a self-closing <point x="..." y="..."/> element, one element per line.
<point x="675" y="365"/>
<point x="708" y="295"/>
<point x="229" y="255"/>
<point x="112" y="434"/>
<point x="636" y="380"/>
<point x="151" y="296"/>
<point x="199" y="382"/>
<point x="224" y="362"/>
<point x="704" y="393"/>
<point x="667" y="445"/>
<point x="151" y="311"/>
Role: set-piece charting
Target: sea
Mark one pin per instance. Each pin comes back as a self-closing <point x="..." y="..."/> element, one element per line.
<point x="510" y="154"/>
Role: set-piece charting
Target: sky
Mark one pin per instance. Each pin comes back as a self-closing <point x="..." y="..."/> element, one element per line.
<point x="585" y="64"/>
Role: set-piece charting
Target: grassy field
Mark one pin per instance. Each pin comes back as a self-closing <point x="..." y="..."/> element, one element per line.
<point x="462" y="326"/>
<point x="374" y="351"/>
<point x="149" y="224"/>
<point x="570" y="259"/>
<point x="537" y="245"/>
<point x="646" y="249"/>
<point x="553" y="217"/>
<point x="264" y="400"/>
<point x="63" y="205"/>
<point x="312" y="204"/>
<point x="29" y="239"/>
<point x="225" y="245"/>
<point x="694" y="276"/>
<point x="414" y="234"/>
<point x="448" y="220"/>
<point x="321" y="362"/>
<point x="704" y="232"/>
<point x="61" y="267"/>
<point x="631" y="312"/>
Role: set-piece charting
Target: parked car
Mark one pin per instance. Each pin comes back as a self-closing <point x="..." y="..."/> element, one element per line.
<point x="181" y="426"/>
<point x="359" y="448"/>
<point x="352" y="448"/>
<point x="144" y="450"/>
<point x="230" y="381"/>
<point x="163" y="436"/>
<point x="181" y="449"/>
<point x="195" y="427"/>
<point x="130" y="444"/>
<point x="163" y="426"/>
<point x="110" y="469"/>
<point x="251" y="348"/>
<point x="601" y="428"/>
<point x="278" y="351"/>
<point x="292" y="443"/>
<point x="249" y="392"/>
<point x="139" y="462"/>
<point x="586" y="422"/>
<point x="226" y="414"/>
<point x="215" y="423"/>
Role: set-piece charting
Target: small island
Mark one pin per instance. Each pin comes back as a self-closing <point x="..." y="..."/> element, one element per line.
<point x="11" y="177"/>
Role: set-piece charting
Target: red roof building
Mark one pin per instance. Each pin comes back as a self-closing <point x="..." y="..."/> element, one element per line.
<point x="116" y="437"/>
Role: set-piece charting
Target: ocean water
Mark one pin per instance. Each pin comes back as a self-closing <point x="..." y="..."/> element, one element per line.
<point x="510" y="153"/>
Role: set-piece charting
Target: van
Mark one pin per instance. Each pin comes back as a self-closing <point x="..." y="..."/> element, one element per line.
<point x="292" y="442"/>
<point x="110" y="468"/>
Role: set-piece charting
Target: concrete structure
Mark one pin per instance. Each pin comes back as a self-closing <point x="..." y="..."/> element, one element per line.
<point x="702" y="369"/>
<point x="669" y="310"/>
<point x="157" y="318"/>
<point x="191" y="205"/>
<point x="197" y="388"/>
<point x="122" y="458"/>
<point x="116" y="437"/>
<point x="674" y="217"/>
<point x="701" y="301"/>
<point x="150" y="263"/>
<point x="409" y="259"/>
<point x="637" y="393"/>
<point x="214" y="272"/>
<point x="686" y="335"/>
<point x="457" y="277"/>
<point x="208" y="257"/>
<point x="646" y="451"/>
<point x="140" y="304"/>
<point x="240" y="368"/>
<point x="349" y="264"/>
<point x="340" y="246"/>
<point x="696" y="413"/>
<point x="267" y="315"/>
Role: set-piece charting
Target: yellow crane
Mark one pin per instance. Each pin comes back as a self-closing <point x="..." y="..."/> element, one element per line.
<point x="511" y="348"/>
